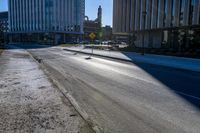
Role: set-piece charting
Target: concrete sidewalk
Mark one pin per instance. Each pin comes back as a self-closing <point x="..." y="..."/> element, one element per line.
<point x="28" y="100"/>
<point x="168" y="61"/>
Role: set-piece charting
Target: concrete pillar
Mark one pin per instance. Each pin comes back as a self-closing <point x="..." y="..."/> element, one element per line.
<point x="114" y="15"/>
<point x="72" y="14"/>
<point x="149" y="12"/>
<point x="16" y="10"/>
<point x="9" y="15"/>
<point x="30" y="15"/>
<point x="154" y="14"/>
<point x="196" y="12"/>
<point x="68" y="15"/>
<point x="128" y="12"/>
<point x="132" y="23"/>
<point x="161" y="13"/>
<point x="36" y="15"/>
<point x="169" y="13"/>
<point x="23" y="14"/>
<point x="120" y="14"/>
<point x="33" y="15"/>
<point x="186" y="13"/>
<point x="27" y="16"/>
<point x="119" y="9"/>
<point x="143" y="9"/>
<point x="177" y="13"/>
<point x="17" y="14"/>
<point x="43" y="16"/>
<point x="124" y="15"/>
<point x="65" y="15"/>
<point x="14" y="15"/>
<point x="137" y="15"/>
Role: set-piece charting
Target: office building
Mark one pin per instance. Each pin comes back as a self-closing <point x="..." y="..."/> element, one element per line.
<point x="58" y="19"/>
<point x="158" y="23"/>
<point x="4" y="21"/>
<point x="3" y="25"/>
<point x="107" y="33"/>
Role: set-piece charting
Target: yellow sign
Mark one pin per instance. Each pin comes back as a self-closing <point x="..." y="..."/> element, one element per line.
<point x="92" y="35"/>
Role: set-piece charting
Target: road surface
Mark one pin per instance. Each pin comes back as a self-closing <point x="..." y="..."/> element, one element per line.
<point x="127" y="97"/>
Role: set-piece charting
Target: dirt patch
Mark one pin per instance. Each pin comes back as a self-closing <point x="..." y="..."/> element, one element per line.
<point x="29" y="102"/>
<point x="1" y="49"/>
<point x="68" y="45"/>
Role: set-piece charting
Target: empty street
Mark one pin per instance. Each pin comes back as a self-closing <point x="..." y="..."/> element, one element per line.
<point x="126" y="97"/>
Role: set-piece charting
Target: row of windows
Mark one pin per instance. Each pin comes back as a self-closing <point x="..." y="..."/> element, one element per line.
<point x="68" y="28"/>
<point x="31" y="14"/>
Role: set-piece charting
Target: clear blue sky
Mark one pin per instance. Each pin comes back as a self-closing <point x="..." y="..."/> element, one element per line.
<point x="91" y="7"/>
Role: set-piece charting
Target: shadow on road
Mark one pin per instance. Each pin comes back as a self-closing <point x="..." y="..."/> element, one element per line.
<point x="185" y="84"/>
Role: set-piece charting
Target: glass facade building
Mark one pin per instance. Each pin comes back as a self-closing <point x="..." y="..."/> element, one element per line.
<point x="62" y="16"/>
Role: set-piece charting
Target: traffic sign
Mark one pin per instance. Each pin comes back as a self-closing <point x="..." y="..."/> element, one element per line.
<point x="92" y="35"/>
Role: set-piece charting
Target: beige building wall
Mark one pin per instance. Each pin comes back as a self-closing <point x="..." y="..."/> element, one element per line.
<point x="161" y="15"/>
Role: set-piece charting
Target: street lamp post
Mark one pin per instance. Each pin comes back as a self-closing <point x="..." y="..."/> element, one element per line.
<point x="144" y="13"/>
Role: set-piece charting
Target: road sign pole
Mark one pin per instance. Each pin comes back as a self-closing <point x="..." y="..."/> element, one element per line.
<point x="92" y="46"/>
<point x="92" y="36"/>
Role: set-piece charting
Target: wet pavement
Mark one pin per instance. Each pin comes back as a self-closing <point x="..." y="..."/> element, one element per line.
<point x="29" y="102"/>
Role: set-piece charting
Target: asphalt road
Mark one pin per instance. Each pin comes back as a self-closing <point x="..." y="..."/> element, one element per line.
<point x="128" y="97"/>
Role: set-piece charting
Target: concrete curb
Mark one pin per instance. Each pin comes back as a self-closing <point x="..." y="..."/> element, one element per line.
<point x="98" y="55"/>
<point x="67" y="95"/>
<point x="131" y="61"/>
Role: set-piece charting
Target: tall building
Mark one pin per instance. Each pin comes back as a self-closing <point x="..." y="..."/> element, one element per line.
<point x="4" y="21"/>
<point x="63" y="18"/>
<point x="3" y="25"/>
<point x="93" y="25"/>
<point x="107" y="33"/>
<point x="158" y="23"/>
<point x="99" y="15"/>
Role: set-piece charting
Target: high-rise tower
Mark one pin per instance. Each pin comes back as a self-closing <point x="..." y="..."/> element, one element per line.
<point x="99" y="15"/>
<point x="65" y="16"/>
